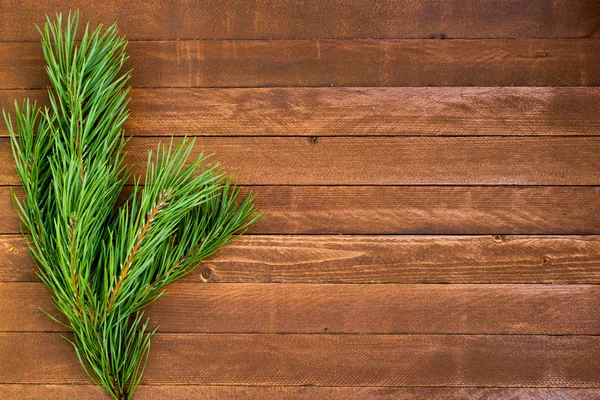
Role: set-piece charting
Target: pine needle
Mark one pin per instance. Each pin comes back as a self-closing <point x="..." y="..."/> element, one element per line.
<point x="104" y="264"/>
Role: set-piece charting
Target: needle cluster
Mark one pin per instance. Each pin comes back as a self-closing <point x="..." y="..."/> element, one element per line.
<point x="103" y="259"/>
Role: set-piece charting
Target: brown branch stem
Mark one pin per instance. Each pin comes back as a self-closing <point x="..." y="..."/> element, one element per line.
<point x="73" y="261"/>
<point x="147" y="224"/>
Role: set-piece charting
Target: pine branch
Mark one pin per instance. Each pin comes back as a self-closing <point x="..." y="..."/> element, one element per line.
<point x="158" y="206"/>
<point x="104" y="265"/>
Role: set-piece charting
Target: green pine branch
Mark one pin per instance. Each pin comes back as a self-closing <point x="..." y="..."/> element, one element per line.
<point x="104" y="264"/>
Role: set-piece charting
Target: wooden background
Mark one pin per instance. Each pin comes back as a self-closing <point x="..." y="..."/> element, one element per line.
<point x="431" y="177"/>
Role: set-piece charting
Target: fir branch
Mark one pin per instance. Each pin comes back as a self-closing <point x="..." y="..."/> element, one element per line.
<point x="102" y="265"/>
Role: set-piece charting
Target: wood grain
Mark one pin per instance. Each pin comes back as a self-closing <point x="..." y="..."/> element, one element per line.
<point x="431" y="210"/>
<point x="376" y="259"/>
<point x="327" y="360"/>
<point x="237" y="19"/>
<point x="383" y="160"/>
<point x="170" y="392"/>
<point x="412" y="136"/>
<point x="364" y="309"/>
<point x="259" y="63"/>
<point x="355" y="111"/>
<point x="428" y="210"/>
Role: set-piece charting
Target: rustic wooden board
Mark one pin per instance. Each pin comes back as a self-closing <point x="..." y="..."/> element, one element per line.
<point x="383" y="160"/>
<point x="432" y="210"/>
<point x="327" y="360"/>
<point x="376" y="259"/>
<point x="237" y="19"/>
<point x="358" y="313"/>
<point x="258" y="63"/>
<point x="170" y="392"/>
<point x="364" y="309"/>
<point x="355" y="111"/>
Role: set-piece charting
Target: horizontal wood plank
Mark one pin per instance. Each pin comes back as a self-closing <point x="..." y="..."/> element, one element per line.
<point x="383" y="160"/>
<point x="365" y="309"/>
<point x="376" y="259"/>
<point x="431" y="210"/>
<point x="171" y="392"/>
<point x="355" y="111"/>
<point x="162" y="19"/>
<point x="257" y="63"/>
<point x="327" y="360"/>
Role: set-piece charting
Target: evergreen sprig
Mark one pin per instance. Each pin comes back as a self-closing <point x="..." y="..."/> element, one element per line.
<point x="102" y="263"/>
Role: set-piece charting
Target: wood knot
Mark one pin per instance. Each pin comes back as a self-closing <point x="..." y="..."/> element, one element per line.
<point x="206" y="274"/>
<point x="499" y="238"/>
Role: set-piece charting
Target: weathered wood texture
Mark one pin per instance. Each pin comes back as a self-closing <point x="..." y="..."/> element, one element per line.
<point x="355" y="111"/>
<point x="257" y="63"/>
<point x="243" y="19"/>
<point x="380" y="130"/>
<point x="327" y="360"/>
<point x="383" y="160"/>
<point x="376" y="259"/>
<point x="415" y="210"/>
<point x="313" y="308"/>
<point x="171" y="392"/>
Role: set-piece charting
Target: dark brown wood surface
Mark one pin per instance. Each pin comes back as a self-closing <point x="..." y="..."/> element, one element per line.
<point x="383" y="160"/>
<point x="294" y="19"/>
<point x="177" y="392"/>
<point x="327" y="360"/>
<point x="377" y="259"/>
<point x="434" y="210"/>
<point x="424" y="111"/>
<point x="433" y="206"/>
<point x="256" y="63"/>
<point x="342" y="309"/>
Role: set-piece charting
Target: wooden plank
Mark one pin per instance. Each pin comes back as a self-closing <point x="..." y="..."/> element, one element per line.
<point x="237" y="19"/>
<point x="431" y="210"/>
<point x="364" y="309"/>
<point x="327" y="360"/>
<point x="258" y="63"/>
<point x="170" y="392"/>
<point x="383" y="160"/>
<point x="377" y="259"/>
<point x="355" y="111"/>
